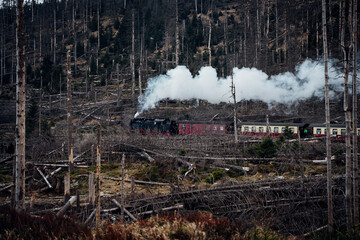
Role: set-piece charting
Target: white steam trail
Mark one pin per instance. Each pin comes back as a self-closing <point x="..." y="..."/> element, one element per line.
<point x="250" y="84"/>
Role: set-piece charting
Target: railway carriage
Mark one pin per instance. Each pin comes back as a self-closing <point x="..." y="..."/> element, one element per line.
<point x="199" y="128"/>
<point x="337" y="131"/>
<point x="274" y="129"/>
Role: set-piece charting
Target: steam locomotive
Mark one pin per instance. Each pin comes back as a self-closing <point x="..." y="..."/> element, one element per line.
<point x="170" y="127"/>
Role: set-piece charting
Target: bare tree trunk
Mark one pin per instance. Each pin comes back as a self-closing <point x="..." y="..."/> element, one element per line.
<point x="209" y="43"/>
<point x="20" y="108"/>
<point x="235" y="107"/>
<point x="69" y="113"/>
<point x="276" y="31"/>
<point x="54" y="56"/>
<point x="40" y="102"/>
<point x="327" y="117"/>
<point x="177" y="47"/>
<point x="355" y="141"/>
<point x="133" y="56"/>
<point x="98" y="165"/>
<point x="98" y="35"/>
<point x="122" y="187"/>
<point x="75" y="41"/>
<point x="348" y="185"/>
<point x="245" y="38"/>
<point x="118" y="85"/>
<point x="196" y="9"/>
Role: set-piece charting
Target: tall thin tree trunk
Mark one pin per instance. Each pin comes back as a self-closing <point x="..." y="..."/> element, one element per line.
<point x="233" y="91"/>
<point x="276" y="32"/>
<point x="209" y="43"/>
<point x="98" y="166"/>
<point x="69" y="112"/>
<point x="40" y="101"/>
<point x="20" y="108"/>
<point x="118" y="85"/>
<point x="133" y="56"/>
<point x="177" y="41"/>
<point x="75" y="41"/>
<point x="348" y="185"/>
<point x="327" y="117"/>
<point x="355" y="141"/>
<point x="54" y="56"/>
<point x="98" y="42"/>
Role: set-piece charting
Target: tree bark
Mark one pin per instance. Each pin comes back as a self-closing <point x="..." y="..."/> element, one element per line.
<point x="235" y="108"/>
<point x="348" y="185"/>
<point x="54" y="56"/>
<point x="354" y="116"/>
<point x="69" y="113"/>
<point x="132" y="62"/>
<point x="97" y="187"/>
<point x="209" y="43"/>
<point x="177" y="41"/>
<point x="327" y="117"/>
<point x="20" y="108"/>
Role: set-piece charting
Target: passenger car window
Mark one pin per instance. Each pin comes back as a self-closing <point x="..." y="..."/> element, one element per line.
<point x="221" y="128"/>
<point x="253" y="129"/>
<point x="246" y="129"/>
<point x="276" y="129"/>
<point x="335" y="131"/>
<point x="343" y="131"/>
<point x="261" y="129"/>
<point x="318" y="131"/>
<point x="215" y="128"/>
<point x="184" y="126"/>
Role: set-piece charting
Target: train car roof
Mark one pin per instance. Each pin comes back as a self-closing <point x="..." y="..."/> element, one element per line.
<point x="200" y="122"/>
<point x="273" y="124"/>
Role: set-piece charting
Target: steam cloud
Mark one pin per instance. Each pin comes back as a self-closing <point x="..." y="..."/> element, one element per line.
<point x="250" y="84"/>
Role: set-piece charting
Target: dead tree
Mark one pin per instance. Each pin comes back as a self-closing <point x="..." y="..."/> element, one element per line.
<point x="235" y="108"/>
<point x="209" y="43"/>
<point x="132" y="60"/>
<point x="177" y="42"/>
<point x="20" y="108"/>
<point x="354" y="116"/>
<point x="122" y="187"/>
<point x="347" y="111"/>
<point x="69" y="120"/>
<point x="98" y="165"/>
<point x="327" y="117"/>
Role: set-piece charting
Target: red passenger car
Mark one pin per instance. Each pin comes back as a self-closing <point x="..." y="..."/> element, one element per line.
<point x="199" y="128"/>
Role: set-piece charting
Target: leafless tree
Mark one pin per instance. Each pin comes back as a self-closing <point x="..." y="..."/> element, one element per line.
<point x="327" y="117"/>
<point x="354" y="116"/>
<point x="20" y="108"/>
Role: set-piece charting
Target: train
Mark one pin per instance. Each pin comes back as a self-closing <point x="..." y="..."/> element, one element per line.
<point x="166" y="126"/>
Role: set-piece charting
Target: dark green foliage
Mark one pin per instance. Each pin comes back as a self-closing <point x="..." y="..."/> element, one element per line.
<point x="93" y="67"/>
<point x="182" y="152"/>
<point x="216" y="174"/>
<point x="288" y="134"/>
<point x="266" y="149"/>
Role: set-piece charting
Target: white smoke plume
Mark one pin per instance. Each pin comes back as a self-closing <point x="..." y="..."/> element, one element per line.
<point x="250" y="84"/>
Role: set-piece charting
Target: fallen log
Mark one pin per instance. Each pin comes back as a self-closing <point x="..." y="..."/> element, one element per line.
<point x="91" y="216"/>
<point x="223" y="165"/>
<point x="43" y="176"/>
<point x="125" y="210"/>
<point x="66" y="206"/>
<point x="162" y="209"/>
<point x="138" y="181"/>
<point x="7" y="187"/>
<point x="7" y="159"/>
<point x="147" y="156"/>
